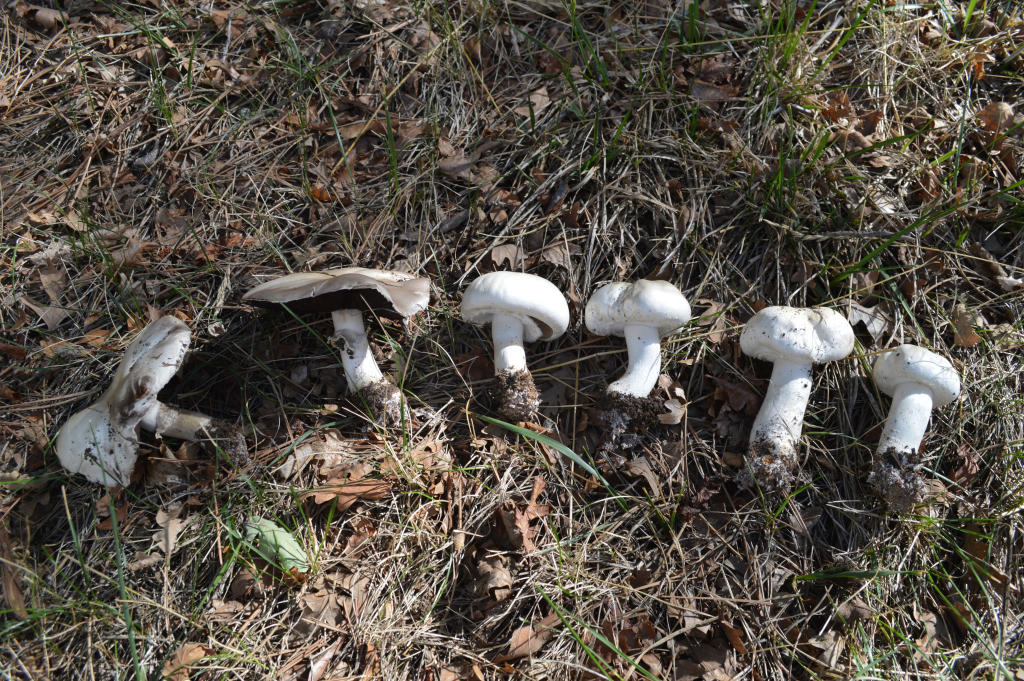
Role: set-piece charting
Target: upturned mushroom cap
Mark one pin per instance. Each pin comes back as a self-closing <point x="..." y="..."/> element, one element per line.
<point x="533" y="300"/>
<point x="913" y="364"/>
<point x="388" y="294"/>
<point x="101" y="441"/>
<point x="651" y="302"/>
<point x="795" y="334"/>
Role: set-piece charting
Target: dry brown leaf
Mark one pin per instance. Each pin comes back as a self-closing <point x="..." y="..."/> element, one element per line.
<point x="538" y="100"/>
<point x="561" y="254"/>
<point x="875" y="319"/>
<point x="317" y="669"/>
<point x="963" y="327"/>
<point x="177" y="666"/>
<point x="506" y="253"/>
<point x="529" y="639"/>
<point x="9" y="577"/>
<point x="996" y="117"/>
<point x="53" y="278"/>
<point x="850" y="140"/>
<point x="735" y="637"/>
<point x="495" y="580"/>
<point x="8" y="394"/>
<point x="706" y="92"/>
<point x="348" y="492"/>
<point x="171" y="526"/>
<point x="51" y="316"/>
<point x="676" y="412"/>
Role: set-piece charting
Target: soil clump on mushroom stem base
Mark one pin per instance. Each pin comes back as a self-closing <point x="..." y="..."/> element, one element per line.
<point x="895" y="474"/>
<point x="514" y="396"/>
<point x="769" y="465"/>
<point x="627" y="417"/>
<point x="384" y="401"/>
<point x="227" y="437"/>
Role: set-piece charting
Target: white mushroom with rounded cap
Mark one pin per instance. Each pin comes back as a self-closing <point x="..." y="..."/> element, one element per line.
<point x="918" y="380"/>
<point x="101" y="442"/>
<point x="519" y="307"/>
<point x="795" y="339"/>
<point x="346" y="293"/>
<point x="642" y="312"/>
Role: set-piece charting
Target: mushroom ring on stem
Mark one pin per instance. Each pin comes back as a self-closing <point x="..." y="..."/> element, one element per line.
<point x="519" y="307"/>
<point x="795" y="339"/>
<point x="347" y="293"/>
<point x="101" y="442"/>
<point x="918" y="380"/>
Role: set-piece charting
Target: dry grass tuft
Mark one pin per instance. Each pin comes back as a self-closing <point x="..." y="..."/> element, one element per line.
<point x="163" y="158"/>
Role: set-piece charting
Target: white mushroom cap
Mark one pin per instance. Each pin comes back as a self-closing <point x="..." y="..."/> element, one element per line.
<point x="387" y="294"/>
<point x="653" y="303"/>
<point x="914" y="364"/>
<point x="101" y="441"/>
<point x="533" y="300"/>
<point x="816" y="335"/>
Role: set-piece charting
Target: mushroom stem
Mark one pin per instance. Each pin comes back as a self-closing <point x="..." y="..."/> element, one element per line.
<point x="507" y="334"/>
<point x="360" y="368"/>
<point x="781" y="417"/>
<point x="644" y="346"/>
<point x="183" y="424"/>
<point x="908" y="419"/>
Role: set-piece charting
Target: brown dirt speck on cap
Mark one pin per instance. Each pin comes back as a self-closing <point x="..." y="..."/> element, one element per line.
<point x="514" y="396"/>
<point x="771" y="465"/>
<point x="894" y="474"/>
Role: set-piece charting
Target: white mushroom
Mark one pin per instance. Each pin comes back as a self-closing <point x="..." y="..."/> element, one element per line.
<point x="795" y="339"/>
<point x="518" y="307"/>
<point x="642" y="312"/>
<point x="918" y="380"/>
<point x="346" y="293"/>
<point x="101" y="441"/>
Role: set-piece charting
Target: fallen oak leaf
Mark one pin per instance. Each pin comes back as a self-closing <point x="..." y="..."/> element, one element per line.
<point x="348" y="492"/>
<point x="177" y="666"/>
<point x="529" y="639"/>
<point x="963" y="327"/>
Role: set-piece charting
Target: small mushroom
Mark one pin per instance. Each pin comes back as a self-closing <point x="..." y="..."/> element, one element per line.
<point x="917" y="379"/>
<point x="518" y="307"/>
<point x="642" y="312"/>
<point x="347" y="293"/>
<point x="794" y="339"/>
<point x="101" y="441"/>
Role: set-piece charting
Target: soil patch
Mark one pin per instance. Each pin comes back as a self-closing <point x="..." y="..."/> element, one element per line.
<point x="771" y="465"/>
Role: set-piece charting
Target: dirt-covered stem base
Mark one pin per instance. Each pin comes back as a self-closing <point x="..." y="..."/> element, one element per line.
<point x="514" y="396"/>
<point x="894" y="473"/>
<point x="385" y="403"/>
<point x="626" y="417"/>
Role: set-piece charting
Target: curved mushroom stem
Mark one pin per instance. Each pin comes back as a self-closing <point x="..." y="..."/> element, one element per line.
<point x="163" y="420"/>
<point x="507" y="334"/>
<point x="180" y="423"/>
<point x="644" y="346"/>
<point x="908" y="419"/>
<point x="360" y="368"/>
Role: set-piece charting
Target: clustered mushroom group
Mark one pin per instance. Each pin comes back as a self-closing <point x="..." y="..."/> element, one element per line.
<point x="102" y="441"/>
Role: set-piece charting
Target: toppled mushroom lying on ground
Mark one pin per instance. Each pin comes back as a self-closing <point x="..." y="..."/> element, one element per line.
<point x="101" y="441"/>
<point x="347" y="293"/>
<point x="795" y="339"/>
<point x="518" y="307"/>
<point x="917" y="379"/>
<point x="642" y="312"/>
